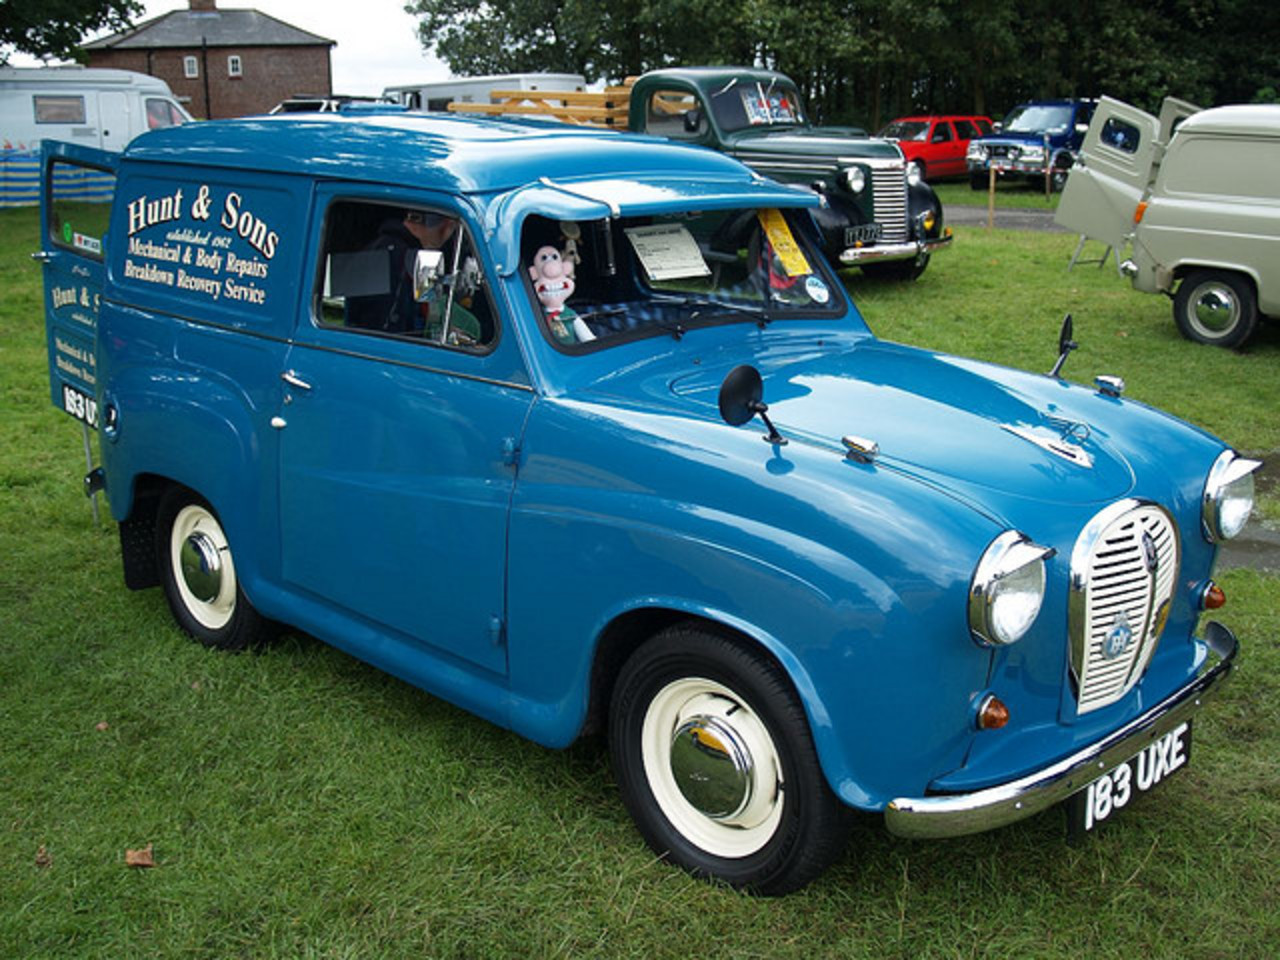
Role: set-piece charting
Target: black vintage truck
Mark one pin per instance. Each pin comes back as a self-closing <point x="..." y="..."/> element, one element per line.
<point x="878" y="215"/>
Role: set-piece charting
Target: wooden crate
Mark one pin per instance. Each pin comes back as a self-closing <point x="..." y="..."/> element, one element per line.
<point x="607" y="108"/>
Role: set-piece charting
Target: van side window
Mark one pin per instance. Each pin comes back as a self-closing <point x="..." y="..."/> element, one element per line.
<point x="79" y="206"/>
<point x="58" y="109"/>
<point x="1121" y="135"/>
<point x="406" y="272"/>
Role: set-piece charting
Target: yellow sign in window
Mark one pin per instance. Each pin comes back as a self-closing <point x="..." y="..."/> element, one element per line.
<point x="783" y="243"/>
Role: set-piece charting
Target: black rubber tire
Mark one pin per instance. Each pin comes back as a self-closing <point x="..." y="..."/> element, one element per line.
<point x="1238" y="302"/>
<point x="978" y="181"/>
<point x="811" y="829"/>
<point x="901" y="270"/>
<point x="1058" y="179"/>
<point x="230" y="624"/>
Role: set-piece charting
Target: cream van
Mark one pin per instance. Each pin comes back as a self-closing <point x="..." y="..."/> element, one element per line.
<point x="1196" y="196"/>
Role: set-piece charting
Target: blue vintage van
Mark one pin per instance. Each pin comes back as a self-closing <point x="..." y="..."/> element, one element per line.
<point x="580" y="431"/>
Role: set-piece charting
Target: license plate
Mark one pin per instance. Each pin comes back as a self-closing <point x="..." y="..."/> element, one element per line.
<point x="1116" y="788"/>
<point x="866" y="233"/>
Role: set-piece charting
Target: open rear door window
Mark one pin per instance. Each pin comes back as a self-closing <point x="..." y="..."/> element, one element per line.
<point x="79" y="185"/>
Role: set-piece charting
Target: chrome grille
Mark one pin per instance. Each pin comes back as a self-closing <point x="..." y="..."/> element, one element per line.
<point x="889" y="195"/>
<point x="1123" y="571"/>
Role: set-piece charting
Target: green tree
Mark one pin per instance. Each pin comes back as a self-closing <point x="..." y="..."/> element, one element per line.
<point x="53" y="28"/>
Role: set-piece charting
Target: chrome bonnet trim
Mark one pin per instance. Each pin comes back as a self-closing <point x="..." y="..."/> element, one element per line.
<point x="956" y="815"/>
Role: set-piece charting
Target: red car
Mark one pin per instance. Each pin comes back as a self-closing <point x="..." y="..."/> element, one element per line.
<point x="937" y="144"/>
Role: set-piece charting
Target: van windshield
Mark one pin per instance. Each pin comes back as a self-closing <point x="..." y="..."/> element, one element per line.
<point x="600" y="282"/>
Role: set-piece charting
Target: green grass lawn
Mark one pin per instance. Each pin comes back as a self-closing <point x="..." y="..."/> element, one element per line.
<point x="1009" y="193"/>
<point x="302" y="804"/>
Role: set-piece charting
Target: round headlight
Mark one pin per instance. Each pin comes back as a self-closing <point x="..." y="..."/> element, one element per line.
<point x="855" y="179"/>
<point x="913" y="173"/>
<point x="1228" y="496"/>
<point x="1007" y="589"/>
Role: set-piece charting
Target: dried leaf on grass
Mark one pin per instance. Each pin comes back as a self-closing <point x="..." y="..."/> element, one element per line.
<point x="42" y="857"/>
<point x="103" y="727"/>
<point x="139" y="858"/>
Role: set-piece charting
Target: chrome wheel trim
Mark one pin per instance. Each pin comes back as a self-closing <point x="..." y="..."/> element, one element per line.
<point x="202" y="567"/>
<point x="729" y="805"/>
<point x="1213" y="309"/>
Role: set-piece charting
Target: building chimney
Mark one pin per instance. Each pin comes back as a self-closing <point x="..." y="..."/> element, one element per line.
<point x="203" y="6"/>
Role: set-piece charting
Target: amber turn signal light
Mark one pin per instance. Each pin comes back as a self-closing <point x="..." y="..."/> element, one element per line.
<point x="1213" y="597"/>
<point x="1140" y="212"/>
<point x="992" y="713"/>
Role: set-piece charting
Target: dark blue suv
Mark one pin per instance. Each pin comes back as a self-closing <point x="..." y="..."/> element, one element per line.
<point x="1035" y="138"/>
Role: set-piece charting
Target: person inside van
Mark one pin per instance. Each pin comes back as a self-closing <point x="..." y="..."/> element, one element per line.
<point x="396" y="311"/>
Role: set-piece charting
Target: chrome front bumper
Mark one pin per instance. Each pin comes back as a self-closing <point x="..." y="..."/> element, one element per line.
<point x="895" y="251"/>
<point x="954" y="815"/>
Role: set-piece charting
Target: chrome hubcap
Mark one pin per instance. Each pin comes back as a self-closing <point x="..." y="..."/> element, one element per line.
<point x="1216" y="310"/>
<point x="712" y="767"/>
<point x="201" y="563"/>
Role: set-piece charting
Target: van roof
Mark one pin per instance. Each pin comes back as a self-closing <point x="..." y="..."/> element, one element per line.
<point x="460" y="154"/>
<point x="1242" y="119"/>
<point x="80" y="76"/>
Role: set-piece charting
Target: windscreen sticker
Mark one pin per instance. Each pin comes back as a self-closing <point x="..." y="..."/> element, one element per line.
<point x="768" y="107"/>
<point x="89" y="244"/>
<point x="208" y="257"/>
<point x="784" y="244"/>
<point x="817" y="290"/>
<point x="667" y="251"/>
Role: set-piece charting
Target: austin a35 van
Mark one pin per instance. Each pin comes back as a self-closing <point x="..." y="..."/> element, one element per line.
<point x="580" y="431"/>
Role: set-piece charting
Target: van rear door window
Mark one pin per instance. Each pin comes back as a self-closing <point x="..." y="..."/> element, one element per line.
<point x="79" y="207"/>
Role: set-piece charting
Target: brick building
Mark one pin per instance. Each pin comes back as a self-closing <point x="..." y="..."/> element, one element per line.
<point x="221" y="63"/>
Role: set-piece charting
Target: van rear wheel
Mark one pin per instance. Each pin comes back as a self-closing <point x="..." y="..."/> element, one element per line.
<point x="1216" y="307"/>
<point x="199" y="575"/>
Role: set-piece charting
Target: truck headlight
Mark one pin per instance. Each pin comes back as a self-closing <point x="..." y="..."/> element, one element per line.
<point x="976" y="151"/>
<point x="1007" y="589"/>
<point x="1033" y="154"/>
<point x="1228" y="496"/>
<point x="913" y="173"/>
<point x="855" y="179"/>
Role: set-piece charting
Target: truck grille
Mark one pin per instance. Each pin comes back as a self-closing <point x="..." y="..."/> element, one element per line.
<point x="1123" y="571"/>
<point x="889" y="194"/>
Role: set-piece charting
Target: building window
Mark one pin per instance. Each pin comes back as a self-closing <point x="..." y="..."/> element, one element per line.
<point x="190" y="67"/>
<point x="233" y="66"/>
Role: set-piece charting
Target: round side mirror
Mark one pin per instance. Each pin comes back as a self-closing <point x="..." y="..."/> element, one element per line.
<point x="740" y="395"/>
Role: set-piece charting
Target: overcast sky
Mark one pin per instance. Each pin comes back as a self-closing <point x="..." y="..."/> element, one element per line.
<point x="377" y="41"/>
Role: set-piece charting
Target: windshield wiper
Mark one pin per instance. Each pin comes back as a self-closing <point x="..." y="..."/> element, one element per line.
<point x="703" y="307"/>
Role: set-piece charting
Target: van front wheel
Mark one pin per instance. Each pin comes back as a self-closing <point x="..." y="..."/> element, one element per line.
<point x="199" y="575"/>
<point x="1216" y="307"/>
<point x="716" y="764"/>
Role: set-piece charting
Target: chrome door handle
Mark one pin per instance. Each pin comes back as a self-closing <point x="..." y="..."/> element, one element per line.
<point x="293" y="380"/>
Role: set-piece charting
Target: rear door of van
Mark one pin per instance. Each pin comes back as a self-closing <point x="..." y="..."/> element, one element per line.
<point x="78" y="185"/>
<point x="1111" y="174"/>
